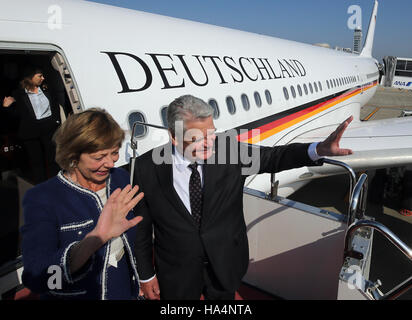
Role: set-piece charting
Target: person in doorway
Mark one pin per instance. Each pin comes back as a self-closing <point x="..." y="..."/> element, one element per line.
<point x="37" y="116"/>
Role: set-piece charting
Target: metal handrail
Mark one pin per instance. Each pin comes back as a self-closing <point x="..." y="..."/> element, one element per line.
<point x="133" y="144"/>
<point x="388" y="234"/>
<point x="382" y="229"/>
<point x="398" y="290"/>
<point x="358" y="199"/>
<point x="352" y="177"/>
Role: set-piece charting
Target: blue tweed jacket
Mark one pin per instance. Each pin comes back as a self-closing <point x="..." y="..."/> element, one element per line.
<point x="57" y="215"/>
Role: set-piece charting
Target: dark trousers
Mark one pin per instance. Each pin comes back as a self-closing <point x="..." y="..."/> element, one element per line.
<point x="203" y="282"/>
<point x="41" y="154"/>
<point x="212" y="290"/>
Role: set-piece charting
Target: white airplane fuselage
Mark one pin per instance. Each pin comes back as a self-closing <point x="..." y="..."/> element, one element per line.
<point x="128" y="61"/>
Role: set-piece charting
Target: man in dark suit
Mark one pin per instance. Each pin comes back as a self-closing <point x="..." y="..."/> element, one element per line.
<point x="193" y="190"/>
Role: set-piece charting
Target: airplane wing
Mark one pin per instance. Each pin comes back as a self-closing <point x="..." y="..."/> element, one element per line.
<point x="376" y="144"/>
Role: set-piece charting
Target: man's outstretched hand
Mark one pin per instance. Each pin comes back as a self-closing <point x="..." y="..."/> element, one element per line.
<point x="330" y="146"/>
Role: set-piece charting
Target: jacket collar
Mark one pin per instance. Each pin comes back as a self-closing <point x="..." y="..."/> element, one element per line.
<point x="68" y="182"/>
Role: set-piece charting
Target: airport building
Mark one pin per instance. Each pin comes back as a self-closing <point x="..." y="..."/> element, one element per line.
<point x="357" y="40"/>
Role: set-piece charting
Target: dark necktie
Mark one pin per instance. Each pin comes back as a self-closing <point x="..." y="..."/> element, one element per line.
<point x="195" y="193"/>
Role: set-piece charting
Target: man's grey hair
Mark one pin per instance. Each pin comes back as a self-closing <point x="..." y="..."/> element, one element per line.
<point x="187" y="108"/>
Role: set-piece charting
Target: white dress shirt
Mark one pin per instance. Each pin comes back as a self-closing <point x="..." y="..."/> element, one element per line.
<point x="181" y="177"/>
<point x="40" y="104"/>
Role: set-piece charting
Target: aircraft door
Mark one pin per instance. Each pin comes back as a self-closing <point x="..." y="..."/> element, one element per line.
<point x="60" y="66"/>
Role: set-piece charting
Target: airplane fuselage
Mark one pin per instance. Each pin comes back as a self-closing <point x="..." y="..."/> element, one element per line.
<point x="142" y="62"/>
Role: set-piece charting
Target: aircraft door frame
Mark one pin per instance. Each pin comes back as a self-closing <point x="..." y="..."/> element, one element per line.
<point x="59" y="62"/>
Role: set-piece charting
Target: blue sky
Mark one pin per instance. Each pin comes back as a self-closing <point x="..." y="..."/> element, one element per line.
<point x="310" y="21"/>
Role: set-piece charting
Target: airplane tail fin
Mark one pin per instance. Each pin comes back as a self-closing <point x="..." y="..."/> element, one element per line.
<point x="367" y="49"/>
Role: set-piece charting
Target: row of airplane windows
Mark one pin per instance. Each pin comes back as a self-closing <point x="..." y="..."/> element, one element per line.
<point x="231" y="105"/>
<point x="317" y="86"/>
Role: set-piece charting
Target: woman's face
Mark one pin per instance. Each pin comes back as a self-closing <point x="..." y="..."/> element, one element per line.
<point x="95" y="167"/>
<point x="37" y="79"/>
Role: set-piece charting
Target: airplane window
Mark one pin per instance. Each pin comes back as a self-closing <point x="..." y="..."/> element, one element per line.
<point x="340" y="81"/>
<point x="258" y="100"/>
<point x="163" y="114"/>
<point x="305" y="87"/>
<point x="327" y="83"/>
<point x="286" y="93"/>
<point x="300" y="90"/>
<point x="268" y="97"/>
<point x="316" y="86"/>
<point x="245" y="102"/>
<point x="292" y="89"/>
<point x="310" y="88"/>
<point x="214" y="105"/>
<point x="320" y="86"/>
<point x="335" y="83"/>
<point x="231" y="107"/>
<point x="140" y="130"/>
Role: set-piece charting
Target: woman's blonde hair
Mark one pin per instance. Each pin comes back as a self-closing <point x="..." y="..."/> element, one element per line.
<point x="86" y="132"/>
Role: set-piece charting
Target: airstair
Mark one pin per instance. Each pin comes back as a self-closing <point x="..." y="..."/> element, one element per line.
<point x="301" y="252"/>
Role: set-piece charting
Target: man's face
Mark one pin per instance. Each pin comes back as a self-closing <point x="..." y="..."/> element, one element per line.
<point x="198" y="139"/>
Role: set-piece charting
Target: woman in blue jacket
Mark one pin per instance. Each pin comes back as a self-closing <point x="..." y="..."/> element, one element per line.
<point x="78" y="235"/>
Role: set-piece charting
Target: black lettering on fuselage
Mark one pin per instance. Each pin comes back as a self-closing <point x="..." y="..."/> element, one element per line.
<point x="262" y="67"/>
<point x="244" y="70"/>
<point x="121" y="76"/>
<point x="213" y="59"/>
<point x="162" y="70"/>
<point x="283" y="70"/>
<point x="234" y="69"/>
<point x="189" y="73"/>
<point x="179" y="70"/>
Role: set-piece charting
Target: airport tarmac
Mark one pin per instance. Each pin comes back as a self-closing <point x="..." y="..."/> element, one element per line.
<point x="388" y="264"/>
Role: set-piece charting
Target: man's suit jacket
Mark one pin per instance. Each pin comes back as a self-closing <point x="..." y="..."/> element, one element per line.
<point x="180" y="247"/>
<point x="28" y="126"/>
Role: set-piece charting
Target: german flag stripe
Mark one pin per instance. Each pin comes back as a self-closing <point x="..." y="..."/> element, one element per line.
<point x="269" y="126"/>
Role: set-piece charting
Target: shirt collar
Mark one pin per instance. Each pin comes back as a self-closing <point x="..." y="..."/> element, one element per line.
<point x="180" y="161"/>
<point x="30" y="92"/>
